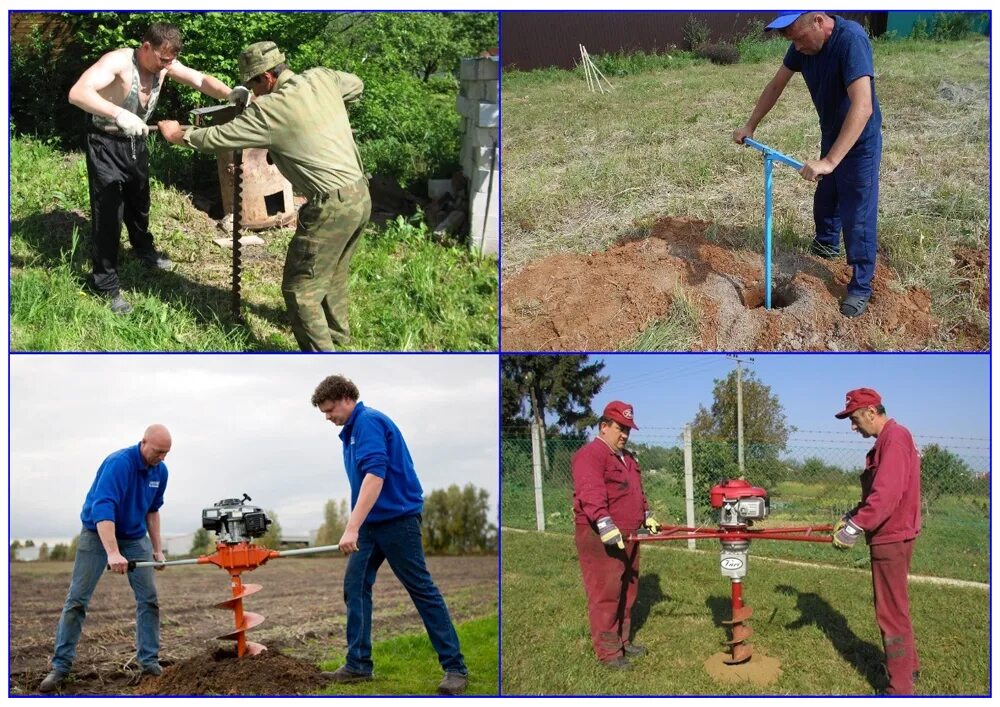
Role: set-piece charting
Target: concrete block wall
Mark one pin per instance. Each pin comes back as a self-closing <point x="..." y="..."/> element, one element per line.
<point x="478" y="104"/>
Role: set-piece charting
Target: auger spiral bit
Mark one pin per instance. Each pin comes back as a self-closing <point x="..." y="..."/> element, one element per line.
<point x="739" y="650"/>
<point x="244" y="620"/>
<point x="237" y="228"/>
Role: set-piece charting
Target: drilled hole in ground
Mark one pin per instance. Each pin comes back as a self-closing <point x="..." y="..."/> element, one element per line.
<point x="781" y="297"/>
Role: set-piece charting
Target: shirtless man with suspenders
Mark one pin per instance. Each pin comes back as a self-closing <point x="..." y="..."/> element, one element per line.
<point x="119" y="94"/>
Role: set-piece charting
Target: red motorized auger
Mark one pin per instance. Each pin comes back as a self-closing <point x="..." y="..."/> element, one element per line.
<point x="740" y="505"/>
<point x="235" y="523"/>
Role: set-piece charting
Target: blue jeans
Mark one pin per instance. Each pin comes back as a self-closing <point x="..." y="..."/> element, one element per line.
<point x="847" y="200"/>
<point x="399" y="542"/>
<point x="88" y="567"/>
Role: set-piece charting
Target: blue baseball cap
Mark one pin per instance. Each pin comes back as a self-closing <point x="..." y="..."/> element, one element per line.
<point x="785" y="19"/>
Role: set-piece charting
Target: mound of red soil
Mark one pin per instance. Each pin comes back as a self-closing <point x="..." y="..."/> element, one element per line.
<point x="601" y="301"/>
<point x="222" y="673"/>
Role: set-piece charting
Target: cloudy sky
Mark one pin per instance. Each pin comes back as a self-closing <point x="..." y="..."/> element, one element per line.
<point x="240" y="423"/>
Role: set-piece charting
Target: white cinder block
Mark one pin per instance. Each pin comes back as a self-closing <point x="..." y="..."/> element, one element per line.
<point x="489" y="115"/>
<point x="480" y="68"/>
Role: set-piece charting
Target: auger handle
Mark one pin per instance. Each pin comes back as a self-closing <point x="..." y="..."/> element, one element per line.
<point x="773" y="154"/>
<point x="132" y="564"/>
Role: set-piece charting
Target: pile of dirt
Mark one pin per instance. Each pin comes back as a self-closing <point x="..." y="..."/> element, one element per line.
<point x="222" y="673"/>
<point x="601" y="301"/>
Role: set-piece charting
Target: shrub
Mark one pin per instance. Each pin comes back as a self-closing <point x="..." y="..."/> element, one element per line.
<point x="695" y="33"/>
<point x="719" y="53"/>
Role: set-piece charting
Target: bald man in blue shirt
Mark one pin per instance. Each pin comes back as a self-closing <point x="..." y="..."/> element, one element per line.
<point x="121" y="522"/>
<point x="384" y="526"/>
<point x="834" y="56"/>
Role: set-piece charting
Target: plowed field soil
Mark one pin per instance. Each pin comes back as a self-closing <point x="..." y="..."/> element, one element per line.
<point x="301" y="600"/>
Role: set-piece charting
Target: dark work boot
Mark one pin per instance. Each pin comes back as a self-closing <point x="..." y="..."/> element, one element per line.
<point x="631" y="650"/>
<point x="453" y="684"/>
<point x="619" y="663"/>
<point x="155" y="260"/>
<point x="120" y="305"/>
<point x="343" y="675"/>
<point x="52" y="681"/>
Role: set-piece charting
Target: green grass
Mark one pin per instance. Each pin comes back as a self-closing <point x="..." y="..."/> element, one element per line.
<point x="408" y="665"/>
<point x="676" y="332"/>
<point x="953" y="543"/>
<point x="818" y="622"/>
<point x="407" y="292"/>
<point x="580" y="169"/>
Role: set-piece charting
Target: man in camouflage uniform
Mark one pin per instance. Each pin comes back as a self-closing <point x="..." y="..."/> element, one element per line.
<point x="302" y="120"/>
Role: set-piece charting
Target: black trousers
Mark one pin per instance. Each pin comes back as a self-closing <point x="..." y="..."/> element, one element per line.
<point x="118" y="175"/>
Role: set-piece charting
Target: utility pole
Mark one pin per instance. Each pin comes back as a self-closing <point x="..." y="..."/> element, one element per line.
<point x="739" y="408"/>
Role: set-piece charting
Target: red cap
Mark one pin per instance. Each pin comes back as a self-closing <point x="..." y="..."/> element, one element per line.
<point x="860" y="398"/>
<point x="621" y="413"/>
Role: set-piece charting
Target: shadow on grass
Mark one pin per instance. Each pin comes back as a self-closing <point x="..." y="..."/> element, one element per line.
<point x="865" y="657"/>
<point x="650" y="594"/>
<point x="49" y="235"/>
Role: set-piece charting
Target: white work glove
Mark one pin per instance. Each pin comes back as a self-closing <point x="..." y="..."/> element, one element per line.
<point x="131" y="124"/>
<point x="239" y="96"/>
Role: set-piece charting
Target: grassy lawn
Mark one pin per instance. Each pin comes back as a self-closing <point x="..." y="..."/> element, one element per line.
<point x="954" y="538"/>
<point x="818" y="622"/>
<point x="407" y="292"/>
<point x="582" y="170"/>
<point x="408" y="665"/>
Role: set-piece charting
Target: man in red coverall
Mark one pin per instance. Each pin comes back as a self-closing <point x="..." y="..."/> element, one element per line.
<point x="609" y="505"/>
<point x="889" y="516"/>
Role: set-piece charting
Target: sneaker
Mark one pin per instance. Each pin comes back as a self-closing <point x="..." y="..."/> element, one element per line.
<point x="634" y="651"/>
<point x="824" y="251"/>
<point x="157" y="261"/>
<point x="343" y="675"/>
<point x="154" y="669"/>
<point x="619" y="663"/>
<point x="52" y="681"/>
<point x="119" y="305"/>
<point x="453" y="684"/>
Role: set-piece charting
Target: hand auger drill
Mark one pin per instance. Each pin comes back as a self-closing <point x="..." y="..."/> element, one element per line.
<point x="740" y="505"/>
<point x="235" y="523"/>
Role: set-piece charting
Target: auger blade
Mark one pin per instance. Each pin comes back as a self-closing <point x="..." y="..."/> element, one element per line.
<point x="741" y="654"/>
<point x="739" y="616"/>
<point x="250" y="620"/>
<point x="740" y="634"/>
<point x="247" y="590"/>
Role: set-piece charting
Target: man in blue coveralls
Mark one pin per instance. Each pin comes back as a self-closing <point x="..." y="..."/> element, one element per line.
<point x="121" y="522"/>
<point x="384" y="525"/>
<point x="835" y="58"/>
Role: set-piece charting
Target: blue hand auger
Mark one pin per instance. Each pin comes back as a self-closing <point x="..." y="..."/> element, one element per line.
<point x="770" y="156"/>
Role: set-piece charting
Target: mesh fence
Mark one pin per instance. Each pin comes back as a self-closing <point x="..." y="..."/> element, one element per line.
<point x="813" y="479"/>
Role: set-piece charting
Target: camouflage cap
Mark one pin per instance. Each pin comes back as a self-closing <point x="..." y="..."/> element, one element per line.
<point x="258" y="58"/>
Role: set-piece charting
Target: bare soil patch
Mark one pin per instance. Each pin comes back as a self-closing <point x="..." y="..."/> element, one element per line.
<point x="302" y="602"/>
<point x="601" y="301"/>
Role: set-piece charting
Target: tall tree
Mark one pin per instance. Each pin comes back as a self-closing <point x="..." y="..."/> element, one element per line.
<point x="942" y="473"/>
<point x="562" y="386"/>
<point x="202" y="543"/>
<point x="272" y="538"/>
<point x="14" y="547"/>
<point x="335" y="517"/>
<point x="43" y="552"/>
<point x="765" y="428"/>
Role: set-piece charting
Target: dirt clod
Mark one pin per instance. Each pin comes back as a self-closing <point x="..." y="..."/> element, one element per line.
<point x="759" y="670"/>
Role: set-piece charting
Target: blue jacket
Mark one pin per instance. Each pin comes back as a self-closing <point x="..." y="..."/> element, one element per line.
<point x="846" y="57"/>
<point x="124" y="491"/>
<point x="374" y="445"/>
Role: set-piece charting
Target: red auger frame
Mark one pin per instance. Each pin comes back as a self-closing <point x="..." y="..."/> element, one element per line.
<point x="739" y="504"/>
